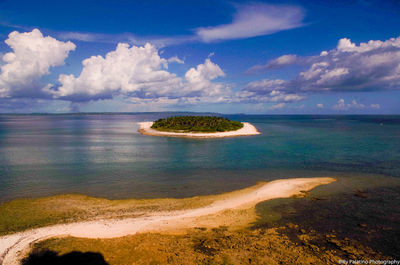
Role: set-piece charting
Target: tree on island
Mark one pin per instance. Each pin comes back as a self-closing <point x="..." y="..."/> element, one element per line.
<point x="196" y="124"/>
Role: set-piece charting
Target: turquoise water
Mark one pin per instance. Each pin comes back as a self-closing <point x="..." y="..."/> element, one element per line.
<point x="103" y="155"/>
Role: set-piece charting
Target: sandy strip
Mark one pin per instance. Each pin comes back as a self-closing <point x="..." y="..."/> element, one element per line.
<point x="11" y="246"/>
<point x="246" y="130"/>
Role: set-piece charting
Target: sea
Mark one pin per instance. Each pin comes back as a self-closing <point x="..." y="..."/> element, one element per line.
<point x="103" y="155"/>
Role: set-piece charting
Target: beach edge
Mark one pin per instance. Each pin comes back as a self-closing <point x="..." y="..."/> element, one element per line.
<point x="248" y="129"/>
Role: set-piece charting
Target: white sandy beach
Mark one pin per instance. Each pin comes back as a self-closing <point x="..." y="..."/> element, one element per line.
<point x="247" y="130"/>
<point x="12" y="245"/>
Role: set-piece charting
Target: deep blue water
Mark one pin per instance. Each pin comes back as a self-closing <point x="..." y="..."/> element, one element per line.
<point x="103" y="155"/>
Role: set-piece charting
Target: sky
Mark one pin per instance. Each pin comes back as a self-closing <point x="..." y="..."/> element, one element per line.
<point x="254" y="57"/>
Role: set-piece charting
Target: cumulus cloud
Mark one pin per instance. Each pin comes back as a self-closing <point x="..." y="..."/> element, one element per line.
<point x="341" y="105"/>
<point x="320" y="105"/>
<point x="374" y="65"/>
<point x="127" y="70"/>
<point x="199" y="78"/>
<point x="345" y="44"/>
<point x="31" y="58"/>
<point x="138" y="73"/>
<point x="254" y="20"/>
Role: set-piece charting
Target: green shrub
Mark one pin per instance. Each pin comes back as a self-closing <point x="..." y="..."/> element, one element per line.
<point x="196" y="124"/>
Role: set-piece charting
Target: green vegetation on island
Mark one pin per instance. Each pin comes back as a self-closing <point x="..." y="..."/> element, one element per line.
<point x="196" y="124"/>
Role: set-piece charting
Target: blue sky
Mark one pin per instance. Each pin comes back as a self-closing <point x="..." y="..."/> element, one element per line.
<point x="267" y="57"/>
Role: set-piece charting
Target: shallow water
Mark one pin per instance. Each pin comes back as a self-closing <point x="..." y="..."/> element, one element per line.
<point x="362" y="211"/>
<point x="103" y="155"/>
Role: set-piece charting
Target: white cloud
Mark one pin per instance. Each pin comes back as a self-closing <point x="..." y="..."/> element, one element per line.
<point x="208" y="71"/>
<point x="31" y="58"/>
<point x="275" y="63"/>
<point x="132" y="70"/>
<point x="374" y="65"/>
<point x="341" y="105"/>
<point x="130" y="38"/>
<point x="345" y="45"/>
<point x="199" y="79"/>
<point x="320" y="105"/>
<point x="281" y="61"/>
<point x="267" y="90"/>
<point x="139" y="73"/>
<point x="79" y="36"/>
<point x="277" y="106"/>
<point x="315" y="70"/>
<point x="266" y="85"/>
<point x="375" y="106"/>
<point x="282" y="96"/>
<point x="333" y="74"/>
<point x="175" y="59"/>
<point x="254" y="20"/>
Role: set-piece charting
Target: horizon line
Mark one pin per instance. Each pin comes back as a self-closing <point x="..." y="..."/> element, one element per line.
<point x="200" y="112"/>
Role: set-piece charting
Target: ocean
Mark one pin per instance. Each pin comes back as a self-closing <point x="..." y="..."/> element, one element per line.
<point x="103" y="155"/>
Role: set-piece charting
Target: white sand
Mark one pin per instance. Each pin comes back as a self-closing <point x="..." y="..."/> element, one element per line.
<point x="246" y="130"/>
<point x="11" y="246"/>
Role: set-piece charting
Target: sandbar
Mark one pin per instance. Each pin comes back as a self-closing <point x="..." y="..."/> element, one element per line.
<point x="11" y="246"/>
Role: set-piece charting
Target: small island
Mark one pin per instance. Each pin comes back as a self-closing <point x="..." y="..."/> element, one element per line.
<point x="196" y="124"/>
<point x="197" y="127"/>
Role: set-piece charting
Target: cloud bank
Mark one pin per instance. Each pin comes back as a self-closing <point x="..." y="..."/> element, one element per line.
<point x="138" y="73"/>
<point x="370" y="66"/>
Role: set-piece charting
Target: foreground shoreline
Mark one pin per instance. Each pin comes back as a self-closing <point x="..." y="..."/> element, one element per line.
<point x="247" y="130"/>
<point x="11" y="246"/>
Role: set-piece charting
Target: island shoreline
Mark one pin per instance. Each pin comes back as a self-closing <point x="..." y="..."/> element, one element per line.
<point x="247" y="130"/>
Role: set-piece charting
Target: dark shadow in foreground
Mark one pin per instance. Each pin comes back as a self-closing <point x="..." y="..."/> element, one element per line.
<point x="48" y="257"/>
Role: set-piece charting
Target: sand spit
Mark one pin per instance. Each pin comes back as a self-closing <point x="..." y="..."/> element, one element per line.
<point x="11" y="246"/>
<point x="246" y="130"/>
